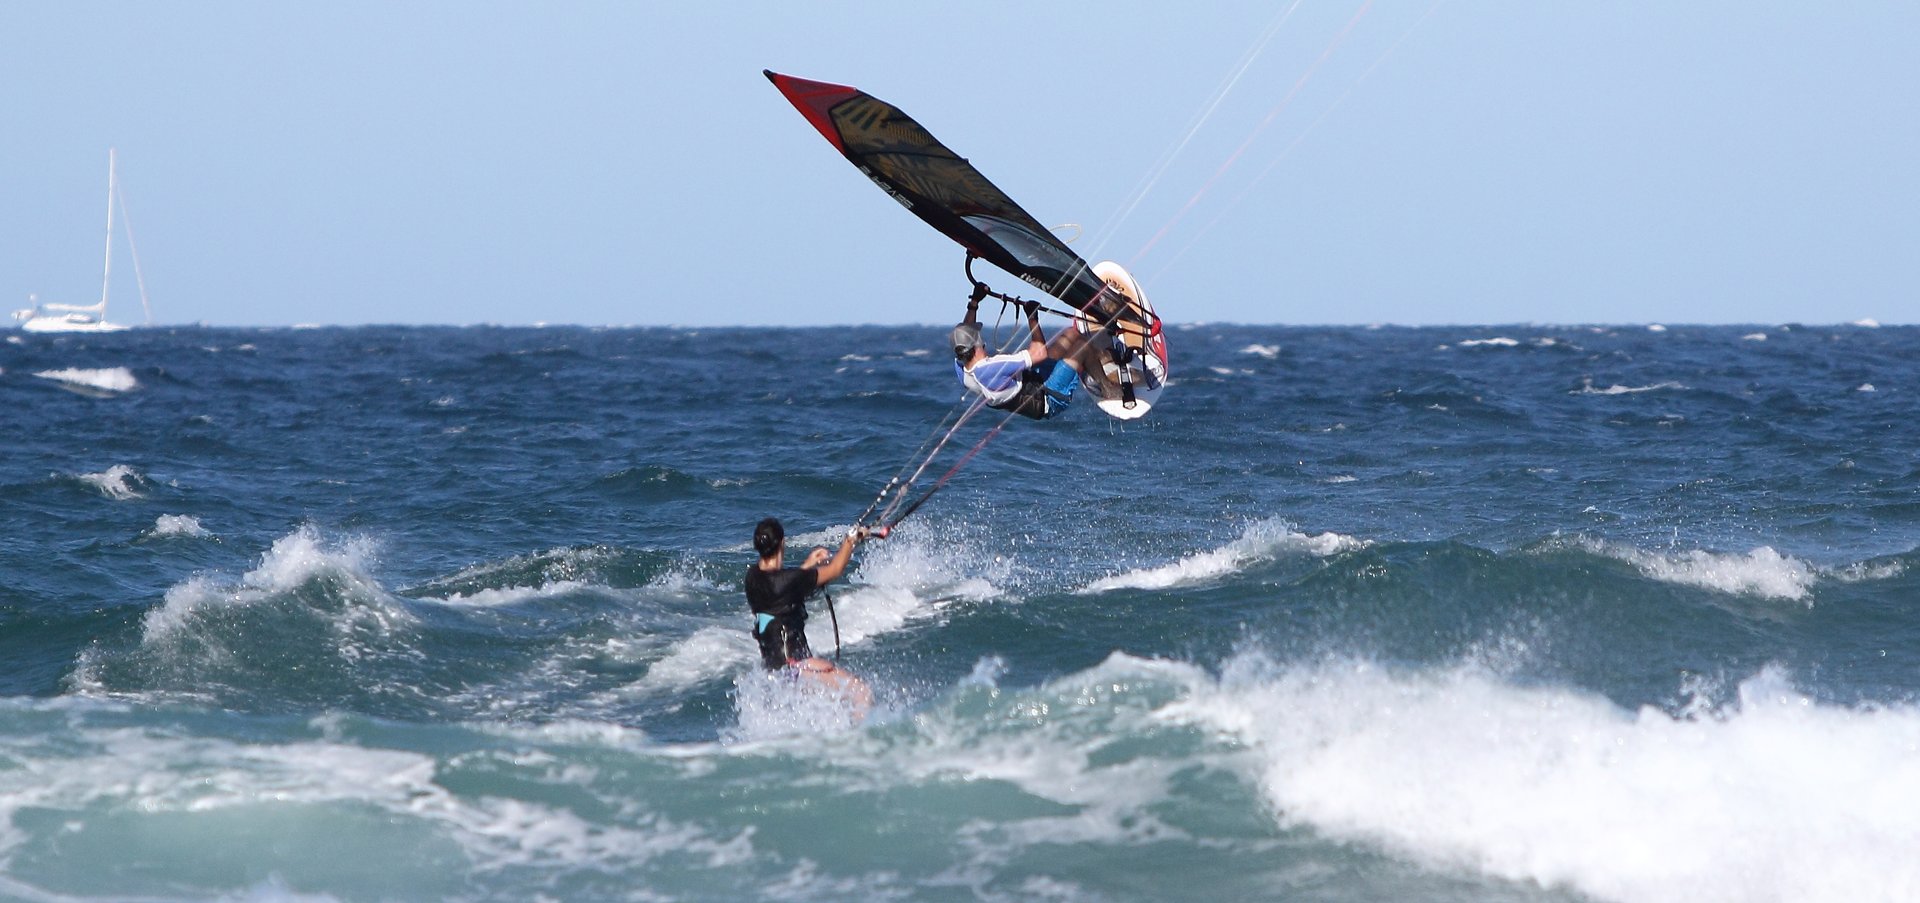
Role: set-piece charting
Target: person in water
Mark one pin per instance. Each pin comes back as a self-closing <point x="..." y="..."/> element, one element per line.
<point x="1038" y="381"/>
<point x="778" y="596"/>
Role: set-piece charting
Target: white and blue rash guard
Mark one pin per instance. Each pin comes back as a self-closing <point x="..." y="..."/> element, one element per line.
<point x="997" y="378"/>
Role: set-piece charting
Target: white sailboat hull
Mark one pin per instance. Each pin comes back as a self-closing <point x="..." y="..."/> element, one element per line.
<point x="69" y="323"/>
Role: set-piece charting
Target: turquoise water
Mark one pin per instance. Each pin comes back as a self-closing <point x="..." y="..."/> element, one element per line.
<point x="1449" y="614"/>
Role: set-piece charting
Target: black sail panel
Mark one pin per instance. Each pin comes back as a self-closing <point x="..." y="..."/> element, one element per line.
<point x="940" y="187"/>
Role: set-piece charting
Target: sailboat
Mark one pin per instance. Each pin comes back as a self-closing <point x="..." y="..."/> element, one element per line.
<point x="53" y="317"/>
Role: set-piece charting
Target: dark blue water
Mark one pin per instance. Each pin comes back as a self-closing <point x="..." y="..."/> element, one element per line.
<point x="1449" y="614"/>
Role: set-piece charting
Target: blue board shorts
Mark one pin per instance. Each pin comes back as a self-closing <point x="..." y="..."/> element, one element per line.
<point x="1059" y="383"/>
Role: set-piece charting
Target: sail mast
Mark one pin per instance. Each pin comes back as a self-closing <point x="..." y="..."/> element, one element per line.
<point x="106" y="275"/>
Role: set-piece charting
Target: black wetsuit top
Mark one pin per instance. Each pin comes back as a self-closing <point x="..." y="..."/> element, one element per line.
<point x="781" y="597"/>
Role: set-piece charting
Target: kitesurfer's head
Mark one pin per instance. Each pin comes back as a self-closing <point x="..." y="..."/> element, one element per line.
<point x="966" y="339"/>
<point x="768" y="536"/>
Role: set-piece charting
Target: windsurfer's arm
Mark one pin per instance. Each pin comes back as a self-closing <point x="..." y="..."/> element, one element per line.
<point x="1038" y="347"/>
<point x="831" y="571"/>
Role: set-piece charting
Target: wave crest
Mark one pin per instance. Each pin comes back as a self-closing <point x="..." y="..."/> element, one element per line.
<point x="1774" y="797"/>
<point x="1761" y="572"/>
<point x="119" y="482"/>
<point x="1261" y="541"/>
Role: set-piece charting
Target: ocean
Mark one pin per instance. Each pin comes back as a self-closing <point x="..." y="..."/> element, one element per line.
<point x="1512" y="613"/>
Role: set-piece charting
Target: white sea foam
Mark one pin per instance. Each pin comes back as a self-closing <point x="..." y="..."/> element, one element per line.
<point x="596" y="734"/>
<point x="294" y="559"/>
<point x="120" y="776"/>
<point x="1267" y="351"/>
<point x="1617" y="389"/>
<point x="119" y="482"/>
<point x="1754" y="337"/>
<point x="1865" y="387"/>
<point x="1495" y="342"/>
<point x="560" y="565"/>
<point x="1776" y="797"/>
<point x="1063" y="753"/>
<point x="177" y="525"/>
<point x="710" y="653"/>
<point x="112" y="380"/>
<point x="772" y="704"/>
<point x="910" y="577"/>
<point x="1261" y="541"/>
<point x="684" y="579"/>
<point x="505" y="596"/>
<point x="1867" y="570"/>
<point x="1762" y="572"/>
<point x="1867" y="323"/>
<point x="118" y="768"/>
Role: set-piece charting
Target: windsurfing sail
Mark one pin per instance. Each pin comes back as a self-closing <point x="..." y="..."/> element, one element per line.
<point x="946" y="192"/>
<point x="941" y="187"/>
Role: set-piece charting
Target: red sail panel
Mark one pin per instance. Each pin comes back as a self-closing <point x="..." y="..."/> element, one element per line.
<point x="940" y="187"/>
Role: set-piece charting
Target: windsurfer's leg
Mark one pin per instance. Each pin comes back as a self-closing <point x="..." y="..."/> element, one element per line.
<point x="829" y="675"/>
<point x="1076" y="348"/>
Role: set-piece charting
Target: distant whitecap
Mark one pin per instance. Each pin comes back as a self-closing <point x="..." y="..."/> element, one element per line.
<point x="177" y="525"/>
<point x="118" y="482"/>
<point x="110" y="380"/>
<point x="1617" y="389"/>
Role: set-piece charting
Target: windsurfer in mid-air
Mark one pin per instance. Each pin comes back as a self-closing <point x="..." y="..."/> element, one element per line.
<point x="778" y="596"/>
<point x="1038" y="381"/>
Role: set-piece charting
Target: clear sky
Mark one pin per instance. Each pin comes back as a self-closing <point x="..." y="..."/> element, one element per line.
<point x="1465" y="161"/>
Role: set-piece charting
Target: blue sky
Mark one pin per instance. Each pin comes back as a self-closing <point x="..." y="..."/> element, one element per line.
<point x="1385" y="162"/>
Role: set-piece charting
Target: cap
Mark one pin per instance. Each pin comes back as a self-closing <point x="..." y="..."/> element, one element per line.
<point x="966" y="337"/>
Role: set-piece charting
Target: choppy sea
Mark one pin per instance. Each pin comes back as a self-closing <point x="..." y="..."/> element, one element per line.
<point x="1443" y="614"/>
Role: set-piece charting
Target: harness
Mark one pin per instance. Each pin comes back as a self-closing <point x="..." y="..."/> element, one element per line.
<point x="794" y="623"/>
<point x="1032" y="398"/>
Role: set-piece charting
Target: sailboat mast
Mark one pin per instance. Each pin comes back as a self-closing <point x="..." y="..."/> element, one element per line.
<point x="106" y="275"/>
